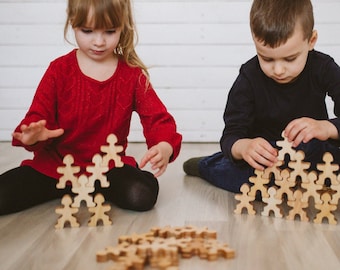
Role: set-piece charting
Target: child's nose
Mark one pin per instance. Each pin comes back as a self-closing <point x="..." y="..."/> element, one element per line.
<point x="278" y="68"/>
<point x="99" y="40"/>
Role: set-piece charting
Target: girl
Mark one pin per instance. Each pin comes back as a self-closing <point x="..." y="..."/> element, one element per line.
<point x="82" y="98"/>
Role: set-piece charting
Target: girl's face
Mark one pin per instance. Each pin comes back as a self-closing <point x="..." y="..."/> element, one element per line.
<point x="97" y="44"/>
<point x="284" y="63"/>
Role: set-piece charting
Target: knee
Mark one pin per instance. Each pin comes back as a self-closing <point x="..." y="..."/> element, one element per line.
<point x="132" y="189"/>
<point x="142" y="197"/>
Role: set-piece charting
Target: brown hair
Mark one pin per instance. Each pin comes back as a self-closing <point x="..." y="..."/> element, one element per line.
<point x="273" y="21"/>
<point x="106" y="14"/>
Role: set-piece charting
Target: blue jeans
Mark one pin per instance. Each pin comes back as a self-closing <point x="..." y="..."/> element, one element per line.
<point x="230" y="175"/>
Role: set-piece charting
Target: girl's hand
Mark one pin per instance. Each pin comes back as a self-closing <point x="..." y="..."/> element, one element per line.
<point x="257" y="152"/>
<point x="304" y="129"/>
<point x="158" y="156"/>
<point x="36" y="132"/>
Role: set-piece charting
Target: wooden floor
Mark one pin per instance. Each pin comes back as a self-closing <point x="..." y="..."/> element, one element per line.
<point x="28" y="239"/>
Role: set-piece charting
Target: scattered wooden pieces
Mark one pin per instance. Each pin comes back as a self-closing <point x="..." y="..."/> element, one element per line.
<point x="294" y="186"/>
<point x="161" y="248"/>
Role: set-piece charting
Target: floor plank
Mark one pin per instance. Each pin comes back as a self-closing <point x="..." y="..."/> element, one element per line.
<point x="28" y="239"/>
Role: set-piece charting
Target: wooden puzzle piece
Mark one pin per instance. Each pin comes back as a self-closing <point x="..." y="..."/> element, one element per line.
<point x="182" y="232"/>
<point x="83" y="192"/>
<point x="259" y="185"/>
<point x="327" y="170"/>
<point x="125" y="256"/>
<point x="326" y="209"/>
<point x="297" y="207"/>
<point x="208" y="249"/>
<point x="286" y="148"/>
<point x="165" y="262"/>
<point x="217" y="249"/>
<point x="274" y="170"/>
<point x="312" y="188"/>
<point x="113" y="252"/>
<point x="68" y="172"/>
<point x="245" y="201"/>
<point x="272" y="204"/>
<point x="299" y="167"/>
<point x="99" y="211"/>
<point x="66" y="213"/>
<point x="98" y="172"/>
<point x="203" y="232"/>
<point x="132" y="261"/>
<point x="111" y="151"/>
<point x="195" y="247"/>
<point x="137" y="238"/>
<point x="160" y="247"/>
<point x="285" y="186"/>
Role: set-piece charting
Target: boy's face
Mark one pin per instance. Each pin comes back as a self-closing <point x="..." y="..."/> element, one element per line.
<point x="284" y="63"/>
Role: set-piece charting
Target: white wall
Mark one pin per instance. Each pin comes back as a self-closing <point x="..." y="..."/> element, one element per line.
<point x="194" y="50"/>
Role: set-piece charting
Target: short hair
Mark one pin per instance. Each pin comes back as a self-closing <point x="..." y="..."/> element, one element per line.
<point x="273" y="21"/>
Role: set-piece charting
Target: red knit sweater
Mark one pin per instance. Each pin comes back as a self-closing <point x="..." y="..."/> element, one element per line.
<point x="89" y="110"/>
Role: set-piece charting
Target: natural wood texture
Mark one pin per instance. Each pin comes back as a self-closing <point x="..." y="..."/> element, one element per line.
<point x="68" y="173"/>
<point x="245" y="201"/>
<point x="162" y="251"/>
<point x="67" y="213"/>
<point x="84" y="185"/>
<point x="98" y="172"/>
<point x="287" y="182"/>
<point x="83" y="192"/>
<point x="273" y="204"/>
<point x="111" y="151"/>
<point x="28" y="240"/>
<point x="99" y="211"/>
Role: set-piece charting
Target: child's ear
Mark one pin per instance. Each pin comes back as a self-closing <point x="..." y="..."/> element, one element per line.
<point x="313" y="39"/>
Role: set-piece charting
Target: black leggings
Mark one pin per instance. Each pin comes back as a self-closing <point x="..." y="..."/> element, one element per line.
<point x="23" y="187"/>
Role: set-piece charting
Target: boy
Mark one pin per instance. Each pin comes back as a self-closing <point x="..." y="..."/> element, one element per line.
<point x="283" y="88"/>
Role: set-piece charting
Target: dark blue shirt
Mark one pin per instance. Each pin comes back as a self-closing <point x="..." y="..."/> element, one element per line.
<point x="257" y="106"/>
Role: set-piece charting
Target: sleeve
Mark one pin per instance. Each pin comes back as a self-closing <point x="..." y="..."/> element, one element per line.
<point x="238" y="114"/>
<point x="330" y="75"/>
<point x="43" y="107"/>
<point x="158" y="124"/>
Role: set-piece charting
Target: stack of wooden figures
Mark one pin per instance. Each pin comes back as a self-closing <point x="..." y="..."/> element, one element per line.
<point x="84" y="186"/>
<point x="296" y="186"/>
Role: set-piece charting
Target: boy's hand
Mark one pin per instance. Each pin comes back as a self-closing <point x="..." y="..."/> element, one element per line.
<point x="158" y="156"/>
<point x="304" y="129"/>
<point x="36" y="132"/>
<point x="257" y="152"/>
